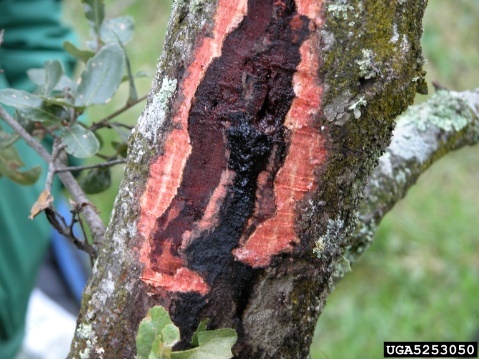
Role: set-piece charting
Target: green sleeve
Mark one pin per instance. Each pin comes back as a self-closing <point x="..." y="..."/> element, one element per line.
<point x="33" y="34"/>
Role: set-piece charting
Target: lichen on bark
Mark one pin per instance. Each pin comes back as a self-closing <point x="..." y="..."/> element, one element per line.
<point x="389" y="33"/>
<point x="423" y="135"/>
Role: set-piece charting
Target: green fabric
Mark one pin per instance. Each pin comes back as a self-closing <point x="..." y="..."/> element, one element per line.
<point x="33" y="35"/>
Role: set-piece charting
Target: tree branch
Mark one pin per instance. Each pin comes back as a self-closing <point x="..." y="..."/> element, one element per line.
<point x="87" y="167"/>
<point x="58" y="222"/>
<point x="51" y="165"/>
<point x="424" y="133"/>
<point x="94" y="221"/>
<point x="104" y="121"/>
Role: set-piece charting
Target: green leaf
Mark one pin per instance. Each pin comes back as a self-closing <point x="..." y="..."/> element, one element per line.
<point x="213" y="344"/>
<point x="99" y="137"/>
<point x="28" y="125"/>
<point x="53" y="74"/>
<point x="44" y="114"/>
<point x="227" y="336"/>
<point x="60" y="112"/>
<point x="170" y="334"/>
<point x="136" y="75"/>
<point x="158" y="350"/>
<point x="120" y="147"/>
<point x="201" y="328"/>
<point x="152" y="332"/>
<point x="79" y="141"/>
<point x="48" y="78"/>
<point x="19" y="99"/>
<point x="93" y="44"/>
<point x="132" y="94"/>
<point x="82" y="55"/>
<point x="118" y="29"/>
<point x="95" y="13"/>
<point x="123" y="132"/>
<point x="10" y="163"/>
<point x="58" y="101"/>
<point x="7" y="139"/>
<point x="37" y="76"/>
<point x="157" y="335"/>
<point x="30" y="105"/>
<point x="96" y="180"/>
<point x="102" y="76"/>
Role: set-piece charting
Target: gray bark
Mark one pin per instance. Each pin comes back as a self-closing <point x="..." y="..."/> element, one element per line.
<point x="423" y="135"/>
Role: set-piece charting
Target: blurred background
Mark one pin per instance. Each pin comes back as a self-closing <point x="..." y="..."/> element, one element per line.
<point x="419" y="280"/>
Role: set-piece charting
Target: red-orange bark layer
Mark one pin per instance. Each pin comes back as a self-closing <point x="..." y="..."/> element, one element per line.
<point x="166" y="173"/>
<point x="305" y="154"/>
<point x="244" y="148"/>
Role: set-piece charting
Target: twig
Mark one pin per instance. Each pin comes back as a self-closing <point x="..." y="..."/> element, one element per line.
<point x="87" y="167"/>
<point x="90" y="249"/>
<point x="86" y="241"/>
<point x="119" y="124"/>
<point x="94" y="222"/>
<point x="67" y="231"/>
<point x="103" y="157"/>
<point x="104" y="121"/>
<point x="24" y="134"/>
<point x="51" y="166"/>
<point x="46" y="130"/>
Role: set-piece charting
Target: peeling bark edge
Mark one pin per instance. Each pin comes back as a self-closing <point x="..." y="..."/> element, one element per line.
<point x="424" y="133"/>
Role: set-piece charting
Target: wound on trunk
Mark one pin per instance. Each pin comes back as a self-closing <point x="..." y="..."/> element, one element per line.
<point x="244" y="148"/>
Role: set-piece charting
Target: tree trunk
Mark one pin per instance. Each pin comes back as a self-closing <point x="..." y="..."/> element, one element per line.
<point x="246" y="168"/>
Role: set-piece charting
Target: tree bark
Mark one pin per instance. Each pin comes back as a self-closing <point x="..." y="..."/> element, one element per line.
<point x="246" y="169"/>
<point x="423" y="135"/>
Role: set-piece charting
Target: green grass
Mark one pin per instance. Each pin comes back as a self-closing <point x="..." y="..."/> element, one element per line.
<point x="418" y="281"/>
<point x="450" y="43"/>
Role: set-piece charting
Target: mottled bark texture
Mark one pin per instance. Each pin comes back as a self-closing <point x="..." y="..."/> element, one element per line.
<point x="424" y="134"/>
<point x="246" y="168"/>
